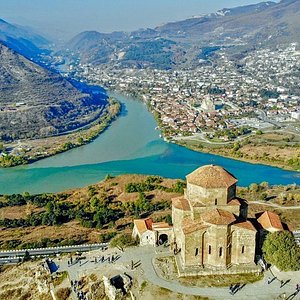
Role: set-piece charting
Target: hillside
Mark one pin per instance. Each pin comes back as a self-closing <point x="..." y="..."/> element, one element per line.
<point x="99" y="212"/>
<point x="82" y="215"/>
<point x="35" y="102"/>
<point x="22" y="40"/>
<point x="179" y="44"/>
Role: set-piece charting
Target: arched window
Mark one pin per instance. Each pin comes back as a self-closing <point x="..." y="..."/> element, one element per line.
<point x="216" y="201"/>
<point x="243" y="249"/>
<point x="197" y="252"/>
<point x="220" y="251"/>
<point x="209" y="249"/>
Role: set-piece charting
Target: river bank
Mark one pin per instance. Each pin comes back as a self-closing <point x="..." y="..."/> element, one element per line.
<point x="281" y="150"/>
<point x="130" y="146"/>
<point x="30" y="151"/>
<point x="283" y="157"/>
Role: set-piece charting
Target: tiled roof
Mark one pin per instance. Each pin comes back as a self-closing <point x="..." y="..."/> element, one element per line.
<point x="143" y="225"/>
<point x="189" y="226"/>
<point x="160" y="225"/>
<point x="270" y="220"/>
<point x="234" y="202"/>
<point x="197" y="204"/>
<point x="211" y="176"/>
<point x="246" y="225"/>
<point x="181" y="203"/>
<point x="218" y="217"/>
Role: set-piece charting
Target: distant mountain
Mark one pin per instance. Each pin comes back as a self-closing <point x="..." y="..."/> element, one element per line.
<point x="260" y="23"/>
<point x="35" y="102"/>
<point x="95" y="46"/>
<point x="197" y="25"/>
<point x="244" y="9"/>
<point x="22" y="40"/>
<point x="183" y="43"/>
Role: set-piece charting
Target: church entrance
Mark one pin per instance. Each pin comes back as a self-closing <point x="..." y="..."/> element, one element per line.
<point x="163" y="239"/>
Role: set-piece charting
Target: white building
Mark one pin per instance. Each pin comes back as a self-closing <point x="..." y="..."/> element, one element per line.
<point x="150" y="233"/>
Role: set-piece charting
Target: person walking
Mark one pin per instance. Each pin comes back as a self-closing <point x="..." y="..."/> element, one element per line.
<point x="231" y="289"/>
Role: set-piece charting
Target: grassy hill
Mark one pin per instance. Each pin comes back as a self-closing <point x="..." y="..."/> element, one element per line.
<point x="97" y="213"/>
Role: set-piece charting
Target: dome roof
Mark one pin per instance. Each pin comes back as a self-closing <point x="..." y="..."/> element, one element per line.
<point x="211" y="176"/>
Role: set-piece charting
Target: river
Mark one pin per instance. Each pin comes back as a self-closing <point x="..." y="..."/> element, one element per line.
<point x="130" y="145"/>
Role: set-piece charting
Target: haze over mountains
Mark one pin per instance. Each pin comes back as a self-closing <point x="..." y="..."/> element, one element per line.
<point x="180" y="43"/>
<point x="35" y="102"/>
<point x="22" y="40"/>
<point x="51" y="105"/>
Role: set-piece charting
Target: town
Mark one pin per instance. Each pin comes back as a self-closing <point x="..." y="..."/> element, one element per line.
<point x="221" y="100"/>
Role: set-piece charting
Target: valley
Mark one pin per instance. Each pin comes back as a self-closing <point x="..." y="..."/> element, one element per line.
<point x="151" y="163"/>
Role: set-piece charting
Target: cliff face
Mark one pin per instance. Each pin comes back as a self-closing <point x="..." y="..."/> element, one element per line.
<point x="35" y="102"/>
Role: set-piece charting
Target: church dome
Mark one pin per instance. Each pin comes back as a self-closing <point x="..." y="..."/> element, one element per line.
<point x="211" y="176"/>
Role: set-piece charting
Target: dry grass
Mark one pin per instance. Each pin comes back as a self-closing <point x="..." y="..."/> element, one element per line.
<point x="18" y="212"/>
<point x="63" y="293"/>
<point x="269" y="148"/>
<point x="113" y="188"/>
<point x="166" y="267"/>
<point x="71" y="230"/>
<point x="59" y="278"/>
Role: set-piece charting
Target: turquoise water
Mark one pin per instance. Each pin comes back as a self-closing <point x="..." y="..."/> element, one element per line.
<point x="130" y="145"/>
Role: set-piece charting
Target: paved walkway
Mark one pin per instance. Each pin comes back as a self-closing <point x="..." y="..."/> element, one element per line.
<point x="259" y="290"/>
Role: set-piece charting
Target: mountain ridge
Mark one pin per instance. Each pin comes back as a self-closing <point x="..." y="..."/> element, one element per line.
<point x="22" y="40"/>
<point x="179" y="43"/>
<point x="36" y="102"/>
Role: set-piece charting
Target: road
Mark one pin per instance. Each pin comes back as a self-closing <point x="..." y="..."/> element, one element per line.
<point x="274" y="205"/>
<point x="52" y="250"/>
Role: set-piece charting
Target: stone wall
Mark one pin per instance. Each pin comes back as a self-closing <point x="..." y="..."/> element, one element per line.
<point x="194" y="248"/>
<point x="177" y="216"/>
<point x="148" y="238"/>
<point x="216" y="246"/>
<point x="209" y="197"/>
<point x="243" y="245"/>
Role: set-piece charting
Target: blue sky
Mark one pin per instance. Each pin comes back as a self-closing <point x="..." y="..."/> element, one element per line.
<point x="65" y="18"/>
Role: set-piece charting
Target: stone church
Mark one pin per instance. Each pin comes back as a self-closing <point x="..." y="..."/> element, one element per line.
<point x="210" y="226"/>
<point x="211" y="233"/>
